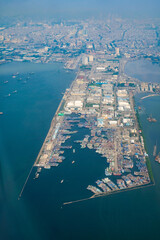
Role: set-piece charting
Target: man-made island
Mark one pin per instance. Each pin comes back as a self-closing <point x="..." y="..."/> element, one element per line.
<point x="101" y="99"/>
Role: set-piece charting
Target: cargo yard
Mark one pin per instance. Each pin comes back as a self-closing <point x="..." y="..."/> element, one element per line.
<point x="95" y="101"/>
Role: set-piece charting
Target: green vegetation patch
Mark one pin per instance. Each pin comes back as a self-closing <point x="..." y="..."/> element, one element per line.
<point x="86" y="67"/>
<point x="148" y="162"/>
<point x="90" y="104"/>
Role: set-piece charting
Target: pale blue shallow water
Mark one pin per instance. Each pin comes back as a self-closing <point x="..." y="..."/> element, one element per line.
<point x="143" y="70"/>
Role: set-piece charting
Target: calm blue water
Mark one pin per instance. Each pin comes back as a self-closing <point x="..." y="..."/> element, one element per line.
<point x="143" y="70"/>
<point x="40" y="213"/>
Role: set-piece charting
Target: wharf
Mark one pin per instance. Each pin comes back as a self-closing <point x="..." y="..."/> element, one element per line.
<point x="53" y="123"/>
<point x="109" y="193"/>
<point x="151" y="95"/>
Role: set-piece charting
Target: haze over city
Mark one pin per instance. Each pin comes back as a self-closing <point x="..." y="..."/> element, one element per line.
<point x="80" y="8"/>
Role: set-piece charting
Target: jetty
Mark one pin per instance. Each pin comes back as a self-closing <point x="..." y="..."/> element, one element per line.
<point x="155" y="150"/>
<point x="151" y="95"/>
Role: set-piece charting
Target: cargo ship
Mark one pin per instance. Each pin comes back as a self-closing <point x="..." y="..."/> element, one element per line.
<point x="117" y="173"/>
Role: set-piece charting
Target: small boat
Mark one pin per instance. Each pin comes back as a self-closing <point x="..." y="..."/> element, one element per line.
<point x="1" y="113"/>
<point x="157" y="158"/>
<point x="37" y="175"/>
<point x="6" y="82"/>
<point x="62" y="180"/>
<point x="73" y="162"/>
<point x="151" y="119"/>
<point x="14" y="91"/>
<point x="39" y="169"/>
<point x="74" y="150"/>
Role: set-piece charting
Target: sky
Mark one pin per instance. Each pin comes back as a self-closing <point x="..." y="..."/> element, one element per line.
<point x="78" y="8"/>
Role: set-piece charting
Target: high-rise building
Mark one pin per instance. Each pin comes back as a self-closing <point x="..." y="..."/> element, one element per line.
<point x="90" y="58"/>
<point x="117" y="51"/>
<point x="85" y="60"/>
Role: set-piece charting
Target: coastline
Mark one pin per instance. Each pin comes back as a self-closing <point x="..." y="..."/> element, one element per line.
<point x="148" y="161"/>
<point x="53" y="122"/>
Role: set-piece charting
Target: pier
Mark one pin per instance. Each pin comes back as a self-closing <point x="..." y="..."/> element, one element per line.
<point x="151" y="95"/>
<point x="155" y="150"/>
<point x="109" y="193"/>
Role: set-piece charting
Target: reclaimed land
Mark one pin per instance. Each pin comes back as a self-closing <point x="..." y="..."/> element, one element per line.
<point x="109" y="193"/>
<point x="148" y="162"/>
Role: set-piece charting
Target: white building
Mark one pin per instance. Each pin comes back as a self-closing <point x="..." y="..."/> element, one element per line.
<point x="85" y="60"/>
<point x="90" y="58"/>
